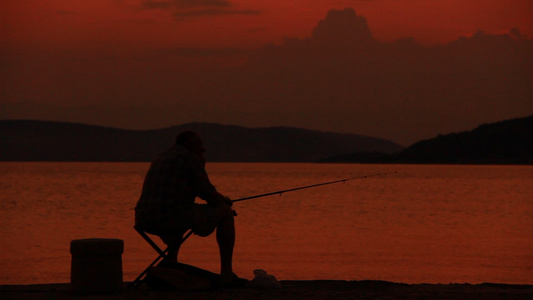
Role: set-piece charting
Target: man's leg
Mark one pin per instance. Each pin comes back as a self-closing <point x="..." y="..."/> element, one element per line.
<point x="173" y="242"/>
<point x="226" y="241"/>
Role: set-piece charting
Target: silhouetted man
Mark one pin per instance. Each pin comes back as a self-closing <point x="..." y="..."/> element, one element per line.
<point x="166" y="204"/>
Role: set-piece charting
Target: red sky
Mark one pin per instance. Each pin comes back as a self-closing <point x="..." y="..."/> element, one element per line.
<point x="251" y="23"/>
<point x="83" y="60"/>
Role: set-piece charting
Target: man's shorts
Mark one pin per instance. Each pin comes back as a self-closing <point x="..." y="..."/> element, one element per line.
<point x="204" y="219"/>
<point x="201" y="218"/>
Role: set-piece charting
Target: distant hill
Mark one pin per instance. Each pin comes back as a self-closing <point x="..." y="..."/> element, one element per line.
<point x="24" y="140"/>
<point x="506" y="142"/>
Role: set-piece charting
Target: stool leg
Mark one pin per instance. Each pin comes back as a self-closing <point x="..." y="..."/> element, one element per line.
<point x="173" y="249"/>
<point x="162" y="254"/>
<point x="139" y="280"/>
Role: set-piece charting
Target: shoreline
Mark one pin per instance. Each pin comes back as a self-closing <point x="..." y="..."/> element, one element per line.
<point x="291" y="289"/>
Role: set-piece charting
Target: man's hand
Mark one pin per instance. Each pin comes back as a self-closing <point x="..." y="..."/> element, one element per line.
<point x="228" y="201"/>
<point x="218" y="199"/>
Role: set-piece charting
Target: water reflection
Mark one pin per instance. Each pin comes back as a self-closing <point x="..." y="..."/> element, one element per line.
<point x="435" y="224"/>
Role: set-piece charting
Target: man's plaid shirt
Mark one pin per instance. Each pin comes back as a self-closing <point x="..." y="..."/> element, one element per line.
<point x="171" y="185"/>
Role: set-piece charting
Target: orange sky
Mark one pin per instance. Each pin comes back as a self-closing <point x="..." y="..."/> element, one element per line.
<point x="144" y="64"/>
<point x="251" y="23"/>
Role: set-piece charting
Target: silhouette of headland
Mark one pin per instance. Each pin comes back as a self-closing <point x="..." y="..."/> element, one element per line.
<point x="505" y="142"/>
<point x="55" y="141"/>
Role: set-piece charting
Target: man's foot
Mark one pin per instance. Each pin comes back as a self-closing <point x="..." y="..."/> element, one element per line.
<point x="232" y="281"/>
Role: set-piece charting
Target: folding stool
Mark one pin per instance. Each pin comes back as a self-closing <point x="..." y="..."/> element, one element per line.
<point x="162" y="253"/>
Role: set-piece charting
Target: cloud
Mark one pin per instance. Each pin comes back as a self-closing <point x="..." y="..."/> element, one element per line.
<point x="213" y="12"/>
<point x="342" y="77"/>
<point x="338" y="79"/>
<point x="198" y="8"/>
<point x="341" y="26"/>
<point x="184" y="4"/>
<point x="151" y="4"/>
<point x="203" y="52"/>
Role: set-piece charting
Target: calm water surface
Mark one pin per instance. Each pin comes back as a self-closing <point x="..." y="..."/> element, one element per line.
<point x="434" y="224"/>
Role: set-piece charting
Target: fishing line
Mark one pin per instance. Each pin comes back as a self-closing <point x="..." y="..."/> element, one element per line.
<point x="296" y="189"/>
<point x="190" y="231"/>
<point x="310" y="186"/>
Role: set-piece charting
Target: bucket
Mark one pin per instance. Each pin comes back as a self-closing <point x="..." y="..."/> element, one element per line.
<point x="96" y="265"/>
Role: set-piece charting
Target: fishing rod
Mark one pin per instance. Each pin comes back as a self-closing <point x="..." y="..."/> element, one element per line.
<point x="190" y="232"/>
<point x="308" y="186"/>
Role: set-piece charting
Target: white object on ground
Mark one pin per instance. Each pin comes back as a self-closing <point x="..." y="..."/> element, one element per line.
<point x="264" y="280"/>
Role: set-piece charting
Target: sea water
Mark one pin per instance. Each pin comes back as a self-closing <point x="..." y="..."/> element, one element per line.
<point x="417" y="224"/>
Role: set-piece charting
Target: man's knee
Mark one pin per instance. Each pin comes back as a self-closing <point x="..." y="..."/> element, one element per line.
<point x="225" y="213"/>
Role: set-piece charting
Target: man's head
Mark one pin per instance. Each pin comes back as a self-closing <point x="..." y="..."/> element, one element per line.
<point x="192" y="141"/>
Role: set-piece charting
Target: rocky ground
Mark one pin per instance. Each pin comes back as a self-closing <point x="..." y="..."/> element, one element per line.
<point x="312" y="289"/>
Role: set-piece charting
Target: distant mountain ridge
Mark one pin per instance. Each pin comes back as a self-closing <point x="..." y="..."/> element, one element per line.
<point x="505" y="142"/>
<point x="27" y="140"/>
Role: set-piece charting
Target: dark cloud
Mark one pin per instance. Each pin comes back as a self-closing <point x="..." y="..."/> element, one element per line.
<point x="203" y="52"/>
<point x="200" y="8"/>
<point x="338" y="79"/>
<point x="214" y="12"/>
<point x="342" y="26"/>
<point x="346" y="79"/>
<point x="184" y="4"/>
<point x="152" y="4"/>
